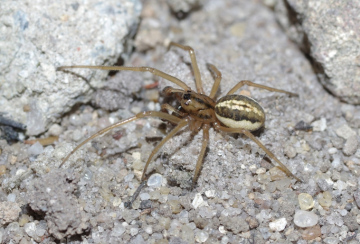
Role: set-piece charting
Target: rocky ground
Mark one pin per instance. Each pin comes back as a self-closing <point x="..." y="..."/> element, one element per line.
<point x="240" y="196"/>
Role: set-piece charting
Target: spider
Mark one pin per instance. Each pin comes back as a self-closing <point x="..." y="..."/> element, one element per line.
<point x="231" y="113"/>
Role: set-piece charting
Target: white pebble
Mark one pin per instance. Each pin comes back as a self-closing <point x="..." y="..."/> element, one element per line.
<point x="11" y="197"/>
<point x="319" y="125"/>
<point x="118" y="230"/>
<point x="340" y="185"/>
<point x="222" y="229"/>
<point x="40" y="231"/>
<point x="75" y="119"/>
<point x="278" y="225"/>
<point x="198" y="201"/>
<point x="155" y="180"/>
<point x="332" y="150"/>
<point x="210" y="193"/>
<point x="201" y="236"/>
<point x="305" y="219"/>
<point x="134" y="231"/>
<point x="35" y="149"/>
<point x="148" y="229"/>
<point x="55" y="130"/>
<point x="30" y="229"/>
<point x="144" y="196"/>
<point x="77" y="135"/>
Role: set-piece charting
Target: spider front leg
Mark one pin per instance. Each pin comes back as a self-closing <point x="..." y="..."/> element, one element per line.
<point x="194" y="64"/>
<point x="250" y="83"/>
<point x="169" y="108"/>
<point x="160" y="115"/>
<point x="254" y="139"/>
<point x="137" y="69"/>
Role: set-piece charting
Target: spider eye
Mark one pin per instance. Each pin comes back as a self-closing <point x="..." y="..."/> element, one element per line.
<point x="186" y="96"/>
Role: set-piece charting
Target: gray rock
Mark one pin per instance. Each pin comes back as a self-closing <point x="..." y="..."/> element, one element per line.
<point x="41" y="36"/>
<point x="329" y="32"/>
<point x="52" y="195"/>
<point x="351" y="145"/>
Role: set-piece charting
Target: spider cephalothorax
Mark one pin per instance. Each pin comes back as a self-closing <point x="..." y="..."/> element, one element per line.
<point x="232" y="113"/>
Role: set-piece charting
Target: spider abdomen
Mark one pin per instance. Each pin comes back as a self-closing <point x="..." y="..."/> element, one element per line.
<point x="237" y="111"/>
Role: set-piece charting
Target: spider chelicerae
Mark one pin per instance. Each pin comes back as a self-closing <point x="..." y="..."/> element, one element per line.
<point x="232" y="113"/>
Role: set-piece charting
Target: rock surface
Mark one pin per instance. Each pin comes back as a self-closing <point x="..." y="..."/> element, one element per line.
<point x="329" y="32"/>
<point x="37" y="37"/>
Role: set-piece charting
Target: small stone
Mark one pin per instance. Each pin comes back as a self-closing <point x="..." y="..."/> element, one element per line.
<point x="252" y="221"/>
<point x="77" y="135"/>
<point x="134" y="231"/>
<point x="210" y="193"/>
<point x="30" y="229"/>
<point x="55" y="130"/>
<point x="144" y="196"/>
<point x="325" y="199"/>
<point x="9" y="212"/>
<point x="40" y="231"/>
<point x="277" y="174"/>
<point x="187" y="234"/>
<point x="331" y="240"/>
<point x="350" y="146"/>
<point x="222" y="229"/>
<point x="2" y="169"/>
<point x="148" y="229"/>
<point x="165" y="223"/>
<point x="164" y="190"/>
<point x="35" y="149"/>
<point x="24" y="219"/>
<point x="201" y="236"/>
<point x="345" y="132"/>
<point x="11" y="197"/>
<point x="175" y="206"/>
<point x="306" y="201"/>
<point x="340" y="185"/>
<point x="311" y="233"/>
<point x="332" y="150"/>
<point x="198" y="201"/>
<point x="278" y="225"/>
<point x="129" y="177"/>
<point x="117" y="201"/>
<point x="319" y="125"/>
<point x="305" y="219"/>
<point x="357" y="198"/>
<point x="261" y="171"/>
<point x="290" y="151"/>
<point x="118" y="230"/>
<point x="74" y="119"/>
<point x="155" y="195"/>
<point x="155" y="180"/>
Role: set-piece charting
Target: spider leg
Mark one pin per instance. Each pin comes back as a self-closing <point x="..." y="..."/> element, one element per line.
<point x="217" y="76"/>
<point x="200" y="160"/>
<point x="137" y="69"/>
<point x="267" y="151"/>
<point x="181" y="124"/>
<point x="169" y="108"/>
<point x="249" y="83"/>
<point x="161" y="115"/>
<point x="194" y="64"/>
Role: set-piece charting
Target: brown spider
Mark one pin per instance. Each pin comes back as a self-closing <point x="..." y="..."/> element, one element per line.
<point x="231" y="113"/>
